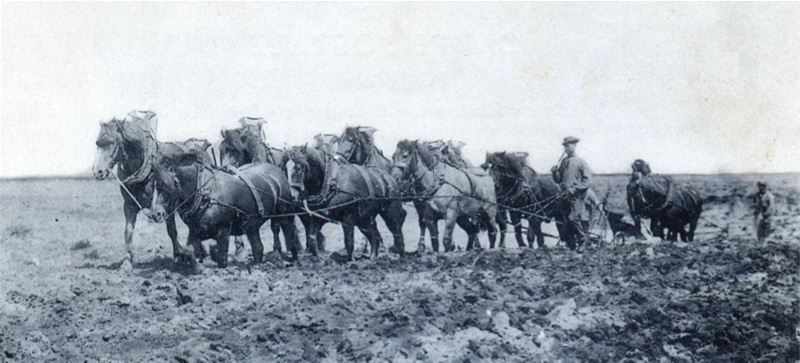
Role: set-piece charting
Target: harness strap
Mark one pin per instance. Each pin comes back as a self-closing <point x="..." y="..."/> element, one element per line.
<point x="471" y="184"/>
<point x="367" y="180"/>
<point x="197" y="196"/>
<point x="253" y="190"/>
<point x="666" y="197"/>
<point x="271" y="189"/>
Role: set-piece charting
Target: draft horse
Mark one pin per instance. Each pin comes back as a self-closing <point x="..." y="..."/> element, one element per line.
<point x="463" y="197"/>
<point x="215" y="203"/>
<point x="130" y="145"/>
<point x="531" y="196"/>
<point x="353" y="195"/>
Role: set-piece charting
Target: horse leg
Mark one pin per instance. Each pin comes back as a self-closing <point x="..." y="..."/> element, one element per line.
<point x="275" y="227"/>
<point x="535" y="232"/>
<point x="450" y="222"/>
<point x="311" y="235"/>
<point x="516" y="221"/>
<point x="254" y="237"/>
<point x="172" y="231"/>
<point x="394" y="215"/>
<point x="348" y="229"/>
<point x="320" y="241"/>
<point x="502" y="223"/>
<point x="289" y="229"/>
<point x="433" y="229"/>
<point x="490" y="218"/>
<point x="370" y="230"/>
<point x="131" y="212"/>
<point x="220" y="252"/>
<point x="421" y="219"/>
<point x="197" y="247"/>
<point x="692" y="228"/>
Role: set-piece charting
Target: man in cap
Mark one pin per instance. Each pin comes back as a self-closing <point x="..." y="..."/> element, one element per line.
<point x="764" y="206"/>
<point x="575" y="178"/>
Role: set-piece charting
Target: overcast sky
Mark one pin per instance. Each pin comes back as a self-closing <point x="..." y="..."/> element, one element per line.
<point x="689" y="87"/>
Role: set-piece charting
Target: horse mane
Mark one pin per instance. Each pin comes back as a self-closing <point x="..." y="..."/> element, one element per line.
<point x="424" y="153"/>
<point x="358" y="133"/>
<point x="516" y="163"/>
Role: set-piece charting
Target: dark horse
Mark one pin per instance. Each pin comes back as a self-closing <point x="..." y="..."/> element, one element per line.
<point x="459" y="196"/>
<point x="247" y="145"/>
<point x="530" y="196"/>
<point x="667" y="204"/>
<point x="350" y="194"/>
<point x="216" y="203"/>
<point x="357" y="146"/>
<point x="131" y="145"/>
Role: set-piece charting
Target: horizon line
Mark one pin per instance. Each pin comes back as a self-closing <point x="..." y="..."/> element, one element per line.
<point x="89" y="176"/>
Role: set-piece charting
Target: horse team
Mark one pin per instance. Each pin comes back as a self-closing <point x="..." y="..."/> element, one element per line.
<point x="342" y="179"/>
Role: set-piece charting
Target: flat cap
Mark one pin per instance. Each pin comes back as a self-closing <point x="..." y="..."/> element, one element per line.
<point x="570" y="140"/>
<point x="761" y="183"/>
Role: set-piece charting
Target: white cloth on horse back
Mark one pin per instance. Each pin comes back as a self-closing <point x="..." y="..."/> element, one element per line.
<point x="147" y="118"/>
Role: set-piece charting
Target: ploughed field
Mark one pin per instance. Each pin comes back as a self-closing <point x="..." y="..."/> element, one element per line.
<point x="66" y="296"/>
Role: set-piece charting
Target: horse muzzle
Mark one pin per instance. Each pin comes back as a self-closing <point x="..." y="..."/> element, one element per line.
<point x="397" y="172"/>
<point x="297" y="191"/>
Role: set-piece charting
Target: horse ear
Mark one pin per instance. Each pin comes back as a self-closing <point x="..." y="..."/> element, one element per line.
<point x="367" y="130"/>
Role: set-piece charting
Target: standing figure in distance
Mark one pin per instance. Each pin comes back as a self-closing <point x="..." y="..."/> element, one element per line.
<point x="764" y="206"/>
<point x="575" y="178"/>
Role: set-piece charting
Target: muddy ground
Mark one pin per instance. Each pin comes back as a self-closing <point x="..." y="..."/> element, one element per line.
<point x="65" y="296"/>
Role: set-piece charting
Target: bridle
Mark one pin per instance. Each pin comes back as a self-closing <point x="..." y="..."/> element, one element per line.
<point x="520" y="184"/>
<point x="356" y="142"/>
<point x="149" y="153"/>
<point x="411" y="179"/>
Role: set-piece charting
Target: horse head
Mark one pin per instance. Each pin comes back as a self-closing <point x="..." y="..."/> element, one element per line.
<point x="404" y="160"/>
<point x="640" y="166"/>
<point x="109" y="148"/>
<point x="175" y="181"/>
<point x="232" y="150"/>
<point x="298" y="170"/>
<point x="506" y="168"/>
<point x="355" y="144"/>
